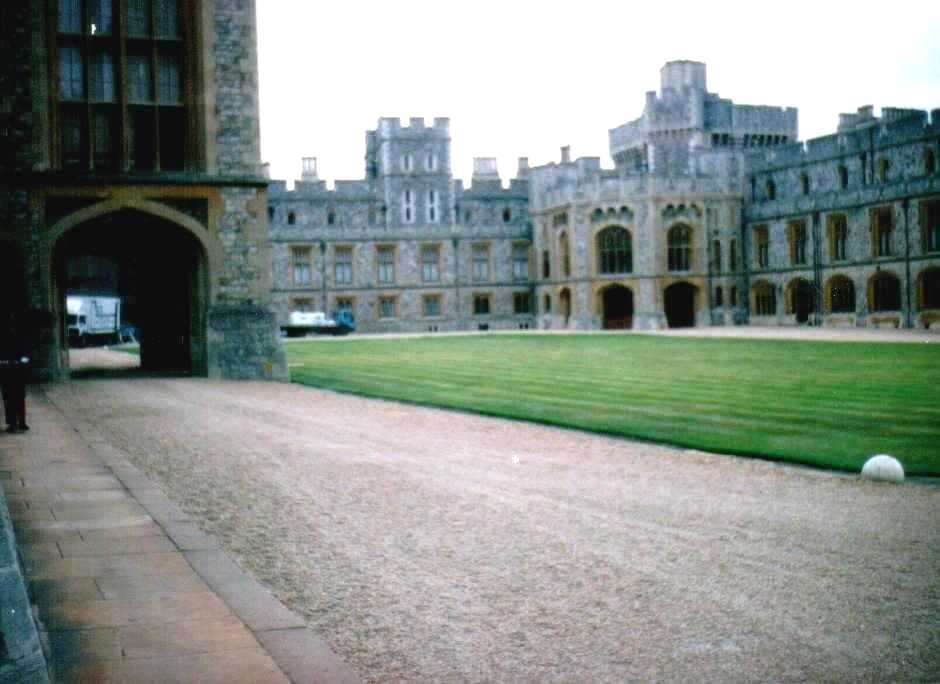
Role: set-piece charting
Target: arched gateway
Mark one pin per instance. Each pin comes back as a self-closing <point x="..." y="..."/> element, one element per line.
<point x="680" y="305"/>
<point x="617" y="307"/>
<point x="158" y="268"/>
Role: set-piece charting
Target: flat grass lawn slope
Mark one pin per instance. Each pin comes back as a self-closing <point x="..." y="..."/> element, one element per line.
<point x="831" y="404"/>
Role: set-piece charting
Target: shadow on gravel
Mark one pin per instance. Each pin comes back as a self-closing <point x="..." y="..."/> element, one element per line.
<point x="125" y="374"/>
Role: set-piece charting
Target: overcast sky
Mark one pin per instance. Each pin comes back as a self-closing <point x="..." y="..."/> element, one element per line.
<point x="521" y="79"/>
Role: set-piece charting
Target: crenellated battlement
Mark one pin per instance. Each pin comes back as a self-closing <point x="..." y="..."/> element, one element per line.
<point x="392" y="127"/>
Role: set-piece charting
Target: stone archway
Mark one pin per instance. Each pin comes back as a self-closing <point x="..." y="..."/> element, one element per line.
<point x="617" y="307"/>
<point x="680" y="305"/>
<point x="158" y="268"/>
<point x="801" y="299"/>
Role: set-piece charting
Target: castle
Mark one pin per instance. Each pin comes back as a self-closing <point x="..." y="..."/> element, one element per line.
<point x="714" y="214"/>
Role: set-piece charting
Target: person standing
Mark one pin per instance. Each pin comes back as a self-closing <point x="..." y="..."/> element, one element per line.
<point x="13" y="362"/>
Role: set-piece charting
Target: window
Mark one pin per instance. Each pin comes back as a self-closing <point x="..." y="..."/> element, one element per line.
<point x="271" y="212"/>
<point x="929" y="289"/>
<point x="303" y="304"/>
<point x="881" y="232"/>
<point x="385" y="258"/>
<point x="408" y="207"/>
<point x="733" y="255"/>
<point x="765" y="299"/>
<point x="734" y="295"/>
<point x="546" y="264"/>
<point x="342" y="265"/>
<point x="101" y="76"/>
<point x="430" y="162"/>
<point x="547" y="304"/>
<point x="843" y="177"/>
<point x="885" y="292"/>
<point x="520" y="262"/>
<point x="371" y="216"/>
<point x="797" y="230"/>
<point x="804" y="183"/>
<point x="507" y="215"/>
<point x="434" y="211"/>
<point x="330" y="217"/>
<point x="771" y="190"/>
<point x="930" y="220"/>
<point x="407" y="163"/>
<point x="521" y="303"/>
<point x="565" y="252"/>
<point x="467" y="216"/>
<point x="347" y="304"/>
<point x="719" y="296"/>
<point x="560" y="219"/>
<point x="841" y="295"/>
<point x="291" y="218"/>
<point x="300" y="266"/>
<point x="883" y="166"/>
<point x="614" y="251"/>
<point x="481" y="305"/>
<point x="930" y="162"/>
<point x="481" y="262"/>
<point x="388" y="307"/>
<point x="838" y="237"/>
<point x="71" y="79"/>
<point x="431" y="263"/>
<point x="138" y="18"/>
<point x="761" y="246"/>
<point x="126" y="65"/>
<point x="679" y="250"/>
<point x="431" y="305"/>
<point x="716" y="256"/>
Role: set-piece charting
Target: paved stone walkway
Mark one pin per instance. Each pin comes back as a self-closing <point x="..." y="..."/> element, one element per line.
<point x="127" y="588"/>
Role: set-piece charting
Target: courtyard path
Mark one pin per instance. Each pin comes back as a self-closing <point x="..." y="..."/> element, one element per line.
<point x="427" y="545"/>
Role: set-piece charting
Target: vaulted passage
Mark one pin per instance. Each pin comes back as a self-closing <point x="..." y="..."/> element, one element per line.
<point x="680" y="305"/>
<point x="802" y="299"/>
<point x="157" y="270"/>
<point x="617" y="302"/>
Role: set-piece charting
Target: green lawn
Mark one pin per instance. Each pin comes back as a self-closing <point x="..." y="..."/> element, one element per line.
<point x="832" y="404"/>
<point x="127" y="348"/>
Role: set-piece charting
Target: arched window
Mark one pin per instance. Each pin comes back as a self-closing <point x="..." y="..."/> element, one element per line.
<point x="291" y="218"/>
<point x="564" y="299"/>
<point x="507" y="215"/>
<point x="614" y="251"/>
<point x="843" y="177"/>
<point x="930" y="213"/>
<point x="929" y="289"/>
<point x="804" y="183"/>
<point x="271" y="212"/>
<point x="679" y="249"/>
<point x="840" y="293"/>
<point x="719" y="296"/>
<point x="771" y="188"/>
<point x="330" y="217"/>
<point x="547" y="304"/>
<point x="930" y="162"/>
<point x="765" y="299"/>
<point x="565" y="254"/>
<point x="884" y="292"/>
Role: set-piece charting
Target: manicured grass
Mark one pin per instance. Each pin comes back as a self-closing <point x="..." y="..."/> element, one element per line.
<point x="831" y="404"/>
<point x="127" y="348"/>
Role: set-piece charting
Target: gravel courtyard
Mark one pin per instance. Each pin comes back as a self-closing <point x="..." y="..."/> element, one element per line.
<point x="425" y="545"/>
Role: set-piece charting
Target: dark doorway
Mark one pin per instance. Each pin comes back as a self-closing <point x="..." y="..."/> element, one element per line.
<point x="618" y="307"/>
<point x="564" y="300"/>
<point x="12" y="297"/>
<point x="158" y="271"/>
<point x="680" y="305"/>
<point x="804" y="300"/>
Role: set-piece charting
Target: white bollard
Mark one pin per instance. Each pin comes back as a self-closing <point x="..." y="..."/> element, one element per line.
<point x="883" y="467"/>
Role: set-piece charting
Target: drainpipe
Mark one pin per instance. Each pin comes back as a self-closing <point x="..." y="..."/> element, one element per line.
<point x="908" y="318"/>
<point x="817" y="270"/>
<point x="326" y="308"/>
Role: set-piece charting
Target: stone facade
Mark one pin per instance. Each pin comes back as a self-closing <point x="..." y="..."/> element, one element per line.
<point x="407" y="248"/>
<point x="88" y="155"/>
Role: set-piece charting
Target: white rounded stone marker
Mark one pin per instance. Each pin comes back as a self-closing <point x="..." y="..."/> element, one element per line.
<point x="883" y="467"/>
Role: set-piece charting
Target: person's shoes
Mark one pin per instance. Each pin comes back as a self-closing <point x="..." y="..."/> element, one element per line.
<point x="11" y="428"/>
<point x="24" y="427"/>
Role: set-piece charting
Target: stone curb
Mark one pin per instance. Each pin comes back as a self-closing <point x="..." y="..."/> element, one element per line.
<point x="21" y="654"/>
<point x="301" y="655"/>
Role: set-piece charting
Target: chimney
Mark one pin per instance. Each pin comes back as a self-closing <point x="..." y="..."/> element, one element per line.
<point x="484" y="168"/>
<point x="523" y="171"/>
<point x="266" y="170"/>
<point x="566" y="154"/>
